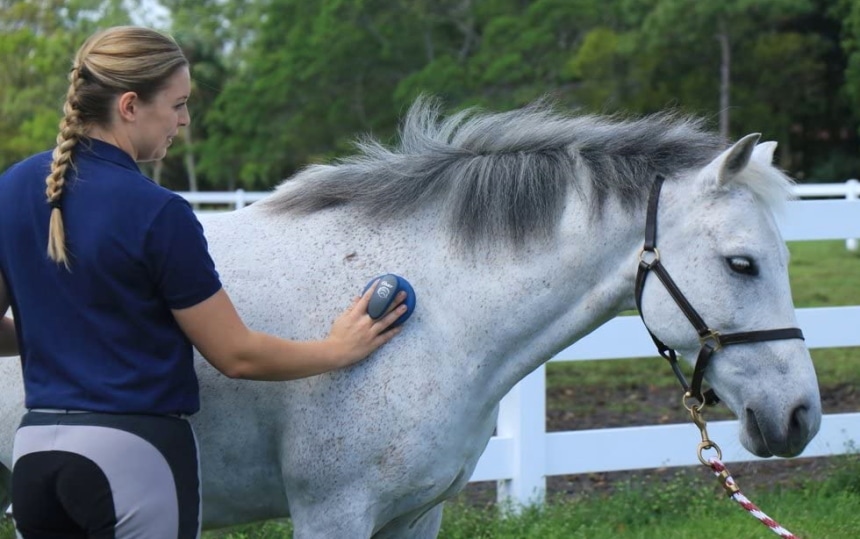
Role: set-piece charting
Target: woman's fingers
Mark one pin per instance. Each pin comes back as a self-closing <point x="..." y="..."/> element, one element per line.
<point x="395" y="312"/>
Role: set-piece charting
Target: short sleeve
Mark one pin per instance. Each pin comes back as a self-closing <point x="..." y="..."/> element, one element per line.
<point x="178" y="258"/>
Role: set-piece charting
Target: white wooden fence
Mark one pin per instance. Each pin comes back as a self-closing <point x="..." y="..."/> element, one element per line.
<point x="523" y="454"/>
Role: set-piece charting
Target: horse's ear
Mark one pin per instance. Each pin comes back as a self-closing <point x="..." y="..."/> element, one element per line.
<point x="732" y="161"/>
<point x="763" y="153"/>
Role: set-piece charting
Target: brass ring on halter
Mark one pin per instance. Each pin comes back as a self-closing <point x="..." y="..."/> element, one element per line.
<point x="711" y="337"/>
<point x="696" y="405"/>
<point x="654" y="258"/>
<point x="705" y="446"/>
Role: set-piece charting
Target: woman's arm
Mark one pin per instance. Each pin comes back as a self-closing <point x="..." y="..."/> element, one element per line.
<point x="213" y="326"/>
<point x="8" y="337"/>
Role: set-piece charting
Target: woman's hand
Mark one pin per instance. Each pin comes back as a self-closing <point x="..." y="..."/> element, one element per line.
<point x="355" y="335"/>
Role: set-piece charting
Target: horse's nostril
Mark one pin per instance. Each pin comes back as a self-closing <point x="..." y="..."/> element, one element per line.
<point x="799" y="423"/>
<point x="798" y="415"/>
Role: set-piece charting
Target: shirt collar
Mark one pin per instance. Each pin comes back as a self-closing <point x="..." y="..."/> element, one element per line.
<point x="105" y="151"/>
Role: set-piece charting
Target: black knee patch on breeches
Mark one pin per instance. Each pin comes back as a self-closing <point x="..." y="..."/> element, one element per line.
<point x="62" y="493"/>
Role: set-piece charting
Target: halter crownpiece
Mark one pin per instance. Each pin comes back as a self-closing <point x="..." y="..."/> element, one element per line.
<point x="710" y="340"/>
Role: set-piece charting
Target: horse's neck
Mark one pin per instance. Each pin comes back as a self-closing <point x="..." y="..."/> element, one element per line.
<point x="534" y="304"/>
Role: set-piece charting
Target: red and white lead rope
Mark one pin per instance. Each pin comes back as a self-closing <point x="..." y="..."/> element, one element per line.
<point x="735" y="493"/>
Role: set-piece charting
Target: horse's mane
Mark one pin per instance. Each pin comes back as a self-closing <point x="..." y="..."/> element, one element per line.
<point x="502" y="175"/>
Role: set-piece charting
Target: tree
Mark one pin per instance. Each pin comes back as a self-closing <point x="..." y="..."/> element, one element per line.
<point x="314" y="75"/>
<point x="848" y="11"/>
<point x="35" y="43"/>
<point x="282" y="83"/>
<point x="712" y="31"/>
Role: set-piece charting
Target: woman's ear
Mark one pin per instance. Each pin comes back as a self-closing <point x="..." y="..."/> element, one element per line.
<point x="127" y="106"/>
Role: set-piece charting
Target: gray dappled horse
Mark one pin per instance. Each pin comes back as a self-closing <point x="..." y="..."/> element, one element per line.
<point x="521" y="233"/>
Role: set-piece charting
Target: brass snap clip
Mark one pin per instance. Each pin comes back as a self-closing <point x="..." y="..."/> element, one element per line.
<point x="695" y="410"/>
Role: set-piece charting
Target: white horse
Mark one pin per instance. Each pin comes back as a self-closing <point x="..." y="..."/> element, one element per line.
<point x="521" y="232"/>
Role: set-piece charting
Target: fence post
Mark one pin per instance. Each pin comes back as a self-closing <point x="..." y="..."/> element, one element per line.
<point x="852" y="193"/>
<point x="522" y="418"/>
<point x="240" y="198"/>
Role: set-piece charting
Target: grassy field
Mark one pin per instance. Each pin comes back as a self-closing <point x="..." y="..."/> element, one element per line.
<point x="688" y="504"/>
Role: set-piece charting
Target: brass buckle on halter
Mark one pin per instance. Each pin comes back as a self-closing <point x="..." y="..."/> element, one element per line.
<point x="712" y="339"/>
<point x="655" y="256"/>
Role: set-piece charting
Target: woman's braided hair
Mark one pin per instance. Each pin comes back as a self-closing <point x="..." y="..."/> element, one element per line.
<point x="109" y="63"/>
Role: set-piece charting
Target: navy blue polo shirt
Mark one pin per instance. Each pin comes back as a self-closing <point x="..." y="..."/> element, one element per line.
<point x="101" y="337"/>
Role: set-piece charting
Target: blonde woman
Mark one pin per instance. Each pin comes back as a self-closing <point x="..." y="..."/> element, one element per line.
<point x="110" y="282"/>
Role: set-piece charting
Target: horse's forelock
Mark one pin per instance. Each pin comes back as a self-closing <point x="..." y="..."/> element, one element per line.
<point x="771" y="186"/>
<point x="502" y="175"/>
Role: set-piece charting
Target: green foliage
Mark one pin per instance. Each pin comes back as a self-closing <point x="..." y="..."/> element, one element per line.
<point x="283" y="83"/>
<point x="35" y="43"/>
<point x="849" y="12"/>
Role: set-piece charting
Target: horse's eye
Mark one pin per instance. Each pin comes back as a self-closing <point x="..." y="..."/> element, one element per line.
<point x="742" y="264"/>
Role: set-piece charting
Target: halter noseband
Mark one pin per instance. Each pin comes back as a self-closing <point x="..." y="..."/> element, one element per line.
<point x="710" y="339"/>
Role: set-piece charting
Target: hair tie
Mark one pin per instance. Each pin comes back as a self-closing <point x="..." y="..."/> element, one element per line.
<point x="56" y="203"/>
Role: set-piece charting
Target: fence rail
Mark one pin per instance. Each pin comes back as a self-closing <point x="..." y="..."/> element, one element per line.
<point x="523" y="454"/>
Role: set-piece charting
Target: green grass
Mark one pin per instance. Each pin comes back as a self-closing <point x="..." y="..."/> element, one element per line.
<point x="824" y="273"/>
<point x="691" y="504"/>
<point x="270" y="530"/>
<point x="679" y="509"/>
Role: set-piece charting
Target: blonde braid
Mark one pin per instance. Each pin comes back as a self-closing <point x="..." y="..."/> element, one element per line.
<point x="109" y="63"/>
<point x="71" y="129"/>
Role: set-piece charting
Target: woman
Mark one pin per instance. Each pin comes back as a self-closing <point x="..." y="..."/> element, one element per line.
<point x="105" y="322"/>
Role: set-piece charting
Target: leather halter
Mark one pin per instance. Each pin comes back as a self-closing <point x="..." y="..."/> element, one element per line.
<point x="710" y="339"/>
